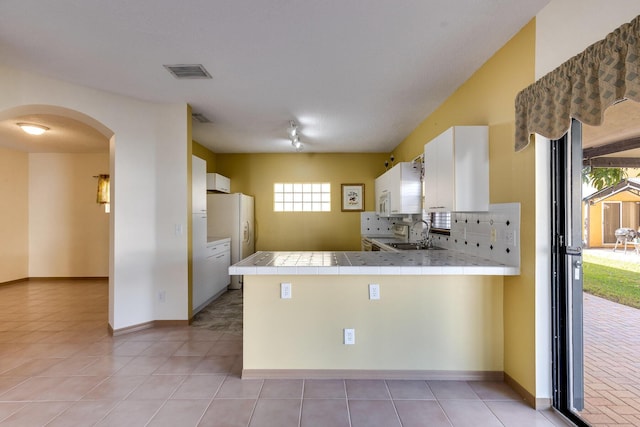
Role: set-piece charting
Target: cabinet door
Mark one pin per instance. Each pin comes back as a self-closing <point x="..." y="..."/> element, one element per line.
<point x="471" y="173"/>
<point x="438" y="173"/>
<point x="221" y="271"/>
<point x="198" y="185"/>
<point x="199" y="257"/>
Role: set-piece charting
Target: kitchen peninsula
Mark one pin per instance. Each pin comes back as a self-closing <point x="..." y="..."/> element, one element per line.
<point x="439" y="315"/>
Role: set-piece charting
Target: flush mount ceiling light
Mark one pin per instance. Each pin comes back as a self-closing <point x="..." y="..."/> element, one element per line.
<point x="294" y="136"/>
<point x="33" y="129"/>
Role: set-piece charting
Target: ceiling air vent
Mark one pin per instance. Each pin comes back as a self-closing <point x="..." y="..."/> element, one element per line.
<point x="199" y="117"/>
<point x="188" y="71"/>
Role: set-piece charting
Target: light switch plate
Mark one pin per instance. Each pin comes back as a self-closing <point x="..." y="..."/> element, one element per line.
<point x="349" y="336"/>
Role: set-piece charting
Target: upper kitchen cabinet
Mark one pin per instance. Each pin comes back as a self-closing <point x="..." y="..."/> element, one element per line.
<point x="398" y="190"/>
<point x="456" y="170"/>
<point x="217" y="182"/>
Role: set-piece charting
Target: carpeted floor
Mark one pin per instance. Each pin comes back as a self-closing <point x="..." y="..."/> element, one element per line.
<point x="223" y="314"/>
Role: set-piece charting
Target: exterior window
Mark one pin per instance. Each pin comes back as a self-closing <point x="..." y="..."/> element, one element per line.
<point x="302" y="197"/>
<point x="441" y="221"/>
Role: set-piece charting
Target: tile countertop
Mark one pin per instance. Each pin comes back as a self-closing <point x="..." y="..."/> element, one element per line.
<point x="427" y="262"/>
<point x="215" y="240"/>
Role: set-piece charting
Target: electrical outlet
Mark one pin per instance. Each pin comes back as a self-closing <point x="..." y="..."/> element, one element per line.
<point x="285" y="290"/>
<point x="374" y="291"/>
<point x="349" y="336"/>
<point x="510" y="237"/>
<point x="494" y="235"/>
<point x="162" y="296"/>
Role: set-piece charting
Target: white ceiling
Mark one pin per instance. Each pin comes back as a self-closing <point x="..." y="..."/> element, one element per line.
<point x="358" y="76"/>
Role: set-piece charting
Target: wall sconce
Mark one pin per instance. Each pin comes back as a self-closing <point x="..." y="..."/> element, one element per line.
<point x="33" y="129"/>
<point x="294" y="136"/>
<point x="103" y="196"/>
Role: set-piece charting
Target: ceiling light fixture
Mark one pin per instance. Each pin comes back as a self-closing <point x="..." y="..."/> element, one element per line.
<point x="33" y="129"/>
<point x="294" y="136"/>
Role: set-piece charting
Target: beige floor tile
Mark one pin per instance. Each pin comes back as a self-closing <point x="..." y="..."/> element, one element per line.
<point x="276" y="413"/>
<point x="157" y="387"/>
<point x="324" y="389"/>
<point x="194" y="348"/>
<point x="409" y="389"/>
<point x="373" y="413"/>
<point x="518" y="414"/>
<point x="216" y="365"/>
<point x="32" y="367"/>
<point x="83" y="413"/>
<point x="71" y="388"/>
<point x="35" y="414"/>
<point x="228" y="413"/>
<point x="469" y="413"/>
<point x="179" y="365"/>
<point x="282" y="389"/>
<point x="106" y="365"/>
<point x="131" y="413"/>
<point x="162" y="348"/>
<point x="183" y="413"/>
<point x="226" y="348"/>
<point x="367" y="389"/>
<point x="142" y="365"/>
<point x="452" y="390"/>
<point x="115" y="388"/>
<point x="30" y="389"/>
<point x="421" y="413"/>
<point x="324" y="412"/>
<point x="7" y="383"/>
<point x="9" y="408"/>
<point x="236" y="388"/>
<point x="493" y="390"/>
<point x="131" y="348"/>
<point x="199" y="387"/>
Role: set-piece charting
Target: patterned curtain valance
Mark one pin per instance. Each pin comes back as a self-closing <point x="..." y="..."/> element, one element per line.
<point x="581" y="88"/>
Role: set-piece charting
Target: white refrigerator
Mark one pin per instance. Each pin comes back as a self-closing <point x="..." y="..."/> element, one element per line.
<point x="231" y="215"/>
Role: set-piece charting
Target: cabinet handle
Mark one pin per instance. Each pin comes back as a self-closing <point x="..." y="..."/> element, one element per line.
<point x="219" y="256"/>
<point x="436" y="207"/>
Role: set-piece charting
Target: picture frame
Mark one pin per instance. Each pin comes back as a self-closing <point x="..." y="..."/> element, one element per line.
<point x="352" y="197"/>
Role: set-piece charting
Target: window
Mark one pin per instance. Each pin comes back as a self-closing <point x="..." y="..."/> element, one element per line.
<point x="302" y="197"/>
<point x="441" y="222"/>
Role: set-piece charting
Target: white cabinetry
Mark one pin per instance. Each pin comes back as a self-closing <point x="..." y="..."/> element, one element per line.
<point x="198" y="228"/>
<point x="219" y="260"/>
<point x="398" y="191"/>
<point x="456" y="170"/>
<point x="217" y="182"/>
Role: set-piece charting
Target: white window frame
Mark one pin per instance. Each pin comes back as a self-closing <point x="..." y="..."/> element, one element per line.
<point x="302" y="197"/>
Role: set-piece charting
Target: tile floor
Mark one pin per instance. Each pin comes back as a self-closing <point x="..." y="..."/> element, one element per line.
<point x="59" y="367"/>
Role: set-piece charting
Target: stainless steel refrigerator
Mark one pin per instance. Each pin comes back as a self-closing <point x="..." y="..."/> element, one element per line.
<point x="231" y="215"/>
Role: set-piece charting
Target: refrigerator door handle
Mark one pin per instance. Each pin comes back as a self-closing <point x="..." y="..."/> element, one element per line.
<point x="245" y="232"/>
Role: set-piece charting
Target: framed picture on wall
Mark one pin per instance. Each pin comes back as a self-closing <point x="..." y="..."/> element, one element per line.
<point x="352" y="197"/>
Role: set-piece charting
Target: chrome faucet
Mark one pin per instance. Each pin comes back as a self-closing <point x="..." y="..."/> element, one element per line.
<point x="426" y="241"/>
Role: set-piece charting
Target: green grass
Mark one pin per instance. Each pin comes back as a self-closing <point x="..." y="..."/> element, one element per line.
<point x="617" y="281"/>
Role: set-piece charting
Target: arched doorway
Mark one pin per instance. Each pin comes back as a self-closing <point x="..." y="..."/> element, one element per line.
<point x="57" y="230"/>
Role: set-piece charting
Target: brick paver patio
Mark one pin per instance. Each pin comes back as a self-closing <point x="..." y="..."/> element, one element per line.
<point x="612" y="363"/>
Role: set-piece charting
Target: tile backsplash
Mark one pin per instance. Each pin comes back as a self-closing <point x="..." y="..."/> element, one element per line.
<point x="373" y="225"/>
<point x="493" y="235"/>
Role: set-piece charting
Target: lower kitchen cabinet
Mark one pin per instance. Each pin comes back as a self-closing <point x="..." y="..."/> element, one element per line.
<point x="211" y="273"/>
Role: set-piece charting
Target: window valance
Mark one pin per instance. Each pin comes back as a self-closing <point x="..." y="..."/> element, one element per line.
<point x="581" y="88"/>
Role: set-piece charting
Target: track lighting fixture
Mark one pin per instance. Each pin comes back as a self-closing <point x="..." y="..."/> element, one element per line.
<point x="294" y="136"/>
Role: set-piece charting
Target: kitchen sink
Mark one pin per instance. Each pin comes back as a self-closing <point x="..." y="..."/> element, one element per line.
<point x="405" y="246"/>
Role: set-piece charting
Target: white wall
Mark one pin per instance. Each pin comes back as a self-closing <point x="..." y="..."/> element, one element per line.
<point x="563" y="29"/>
<point x="68" y="230"/>
<point x="148" y="140"/>
<point x="14" y="215"/>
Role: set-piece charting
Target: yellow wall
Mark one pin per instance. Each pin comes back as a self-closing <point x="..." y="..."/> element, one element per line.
<point x="255" y="174"/>
<point x="423" y="323"/>
<point x="206" y="154"/>
<point x="488" y="98"/>
<point x="14" y="215"/>
<point x="595" y="217"/>
<point x="68" y="230"/>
